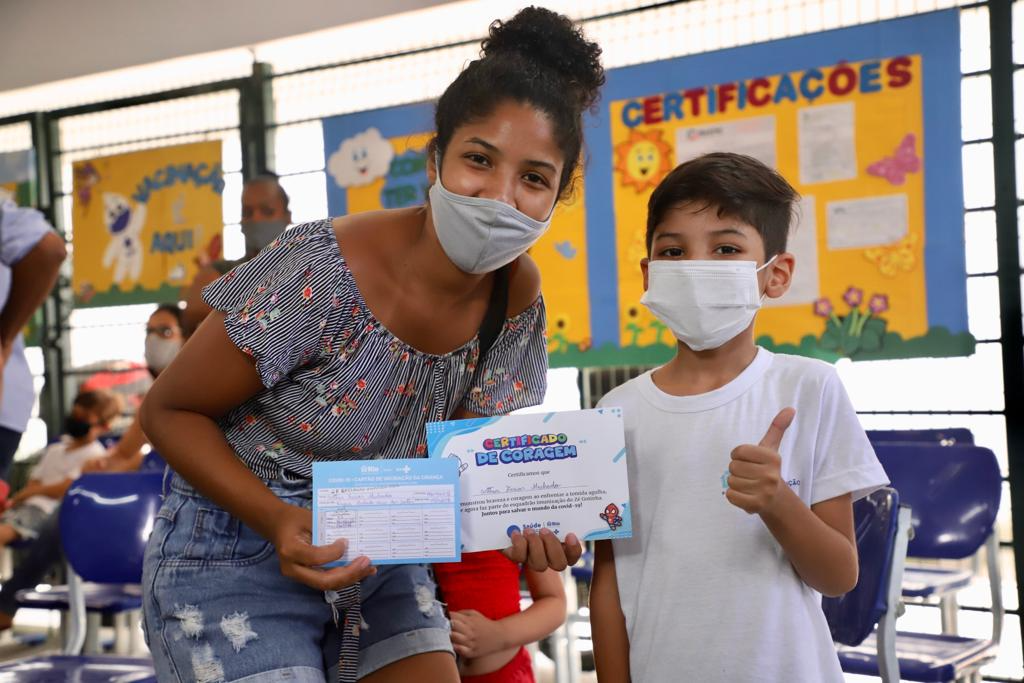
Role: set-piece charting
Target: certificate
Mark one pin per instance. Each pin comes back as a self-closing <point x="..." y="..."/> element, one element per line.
<point x="562" y="471"/>
<point x="392" y="511"/>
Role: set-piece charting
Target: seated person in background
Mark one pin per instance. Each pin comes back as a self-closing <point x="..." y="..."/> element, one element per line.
<point x="164" y="337"/>
<point x="488" y="630"/>
<point x="265" y="215"/>
<point x="91" y="415"/>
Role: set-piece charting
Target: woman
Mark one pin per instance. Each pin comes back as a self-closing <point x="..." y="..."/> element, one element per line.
<point x="340" y="341"/>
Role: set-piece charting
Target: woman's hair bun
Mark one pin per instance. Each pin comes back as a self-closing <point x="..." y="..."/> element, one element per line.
<point x="552" y="42"/>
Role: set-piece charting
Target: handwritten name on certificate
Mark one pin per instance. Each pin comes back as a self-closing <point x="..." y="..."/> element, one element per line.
<point x="563" y="471"/>
<point x="392" y="511"/>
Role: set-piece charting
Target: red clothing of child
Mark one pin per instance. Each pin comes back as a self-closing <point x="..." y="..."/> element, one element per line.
<point x="487" y="582"/>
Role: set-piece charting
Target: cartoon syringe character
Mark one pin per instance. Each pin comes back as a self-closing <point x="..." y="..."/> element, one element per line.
<point x="124" y="252"/>
<point x="462" y="465"/>
<point x="611" y="516"/>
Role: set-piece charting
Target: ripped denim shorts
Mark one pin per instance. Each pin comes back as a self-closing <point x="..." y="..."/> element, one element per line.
<point x="217" y="607"/>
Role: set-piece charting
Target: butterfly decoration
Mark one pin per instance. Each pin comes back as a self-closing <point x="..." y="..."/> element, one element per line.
<point x="894" y="259"/>
<point x="903" y="161"/>
<point x="566" y="249"/>
<point x="86" y="176"/>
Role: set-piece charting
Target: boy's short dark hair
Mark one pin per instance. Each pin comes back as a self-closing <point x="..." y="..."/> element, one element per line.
<point x="738" y="185"/>
<point x="101" y="403"/>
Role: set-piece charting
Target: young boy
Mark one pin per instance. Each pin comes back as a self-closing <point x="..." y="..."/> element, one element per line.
<point x="91" y="415"/>
<point x="743" y="464"/>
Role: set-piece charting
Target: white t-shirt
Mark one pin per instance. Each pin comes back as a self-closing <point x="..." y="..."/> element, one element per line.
<point x="59" y="463"/>
<point x="706" y="590"/>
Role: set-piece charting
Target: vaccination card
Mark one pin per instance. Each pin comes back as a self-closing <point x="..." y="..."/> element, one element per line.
<point x="392" y="511"/>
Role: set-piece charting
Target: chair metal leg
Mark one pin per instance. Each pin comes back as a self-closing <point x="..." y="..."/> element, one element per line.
<point x="888" y="663"/>
<point x="995" y="582"/>
<point x="76" y="616"/>
<point x="950" y="609"/>
<point x="121" y="627"/>
<point x="135" y="647"/>
<point x="93" y="623"/>
<point x="6" y="563"/>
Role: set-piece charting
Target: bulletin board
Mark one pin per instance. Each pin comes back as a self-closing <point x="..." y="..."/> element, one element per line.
<point x="863" y="121"/>
<point x="144" y="222"/>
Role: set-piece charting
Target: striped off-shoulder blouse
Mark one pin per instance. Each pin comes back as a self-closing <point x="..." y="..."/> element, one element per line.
<point x="339" y="385"/>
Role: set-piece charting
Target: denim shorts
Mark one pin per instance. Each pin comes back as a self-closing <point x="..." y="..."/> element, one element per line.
<point x="217" y="608"/>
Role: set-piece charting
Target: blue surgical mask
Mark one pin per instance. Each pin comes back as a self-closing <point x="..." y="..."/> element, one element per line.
<point x="481" y="235"/>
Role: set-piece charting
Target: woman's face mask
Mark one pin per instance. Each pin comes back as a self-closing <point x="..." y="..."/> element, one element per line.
<point x="481" y="235"/>
<point x="259" y="234"/>
<point x="704" y="303"/>
<point x="160" y="351"/>
<point x="76" y="427"/>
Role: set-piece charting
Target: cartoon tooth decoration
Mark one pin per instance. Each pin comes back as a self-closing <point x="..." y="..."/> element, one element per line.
<point x="361" y="159"/>
<point x="124" y="252"/>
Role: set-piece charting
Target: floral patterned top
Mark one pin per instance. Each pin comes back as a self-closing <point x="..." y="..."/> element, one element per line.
<point x="339" y="385"/>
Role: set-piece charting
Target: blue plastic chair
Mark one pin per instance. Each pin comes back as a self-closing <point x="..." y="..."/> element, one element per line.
<point x="109" y="440"/>
<point x="882" y="527"/>
<point x="105" y="521"/>
<point x="944" y="437"/>
<point x="153" y="462"/>
<point x="933" y="541"/>
<point x="953" y="493"/>
<point x="923" y="582"/>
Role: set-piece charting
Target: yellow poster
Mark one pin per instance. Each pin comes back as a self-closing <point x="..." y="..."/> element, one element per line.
<point x="143" y="221"/>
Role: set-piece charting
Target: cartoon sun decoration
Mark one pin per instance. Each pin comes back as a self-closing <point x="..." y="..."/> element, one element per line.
<point x="643" y="160"/>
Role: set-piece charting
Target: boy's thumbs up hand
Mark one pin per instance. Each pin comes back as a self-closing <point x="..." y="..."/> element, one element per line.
<point x="755" y="472"/>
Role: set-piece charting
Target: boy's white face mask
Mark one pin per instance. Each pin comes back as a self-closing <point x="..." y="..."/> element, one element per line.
<point x="704" y="303"/>
<point x="480" y="235"/>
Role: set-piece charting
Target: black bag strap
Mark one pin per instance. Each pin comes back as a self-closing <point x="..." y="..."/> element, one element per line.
<point x="494" y="318"/>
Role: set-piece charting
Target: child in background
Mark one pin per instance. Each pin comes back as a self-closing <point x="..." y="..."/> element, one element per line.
<point x="488" y="630"/>
<point x="91" y="415"/>
<point x="743" y="464"/>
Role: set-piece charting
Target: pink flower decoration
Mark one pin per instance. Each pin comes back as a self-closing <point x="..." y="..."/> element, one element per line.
<point x="853" y="297"/>
<point x="307" y="293"/>
<point x="879" y="303"/>
<point x="823" y="307"/>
